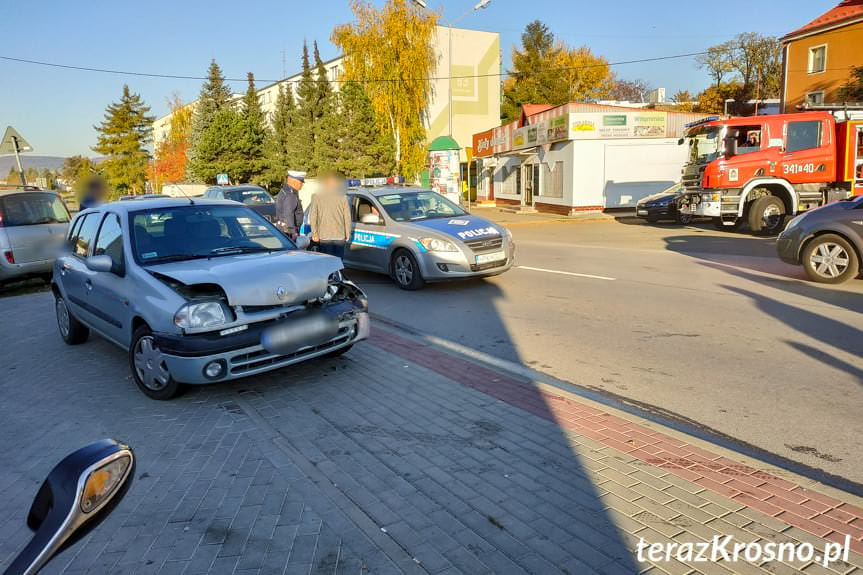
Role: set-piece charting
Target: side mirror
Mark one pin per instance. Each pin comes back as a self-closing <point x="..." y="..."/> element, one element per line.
<point x="303" y="242"/>
<point x="76" y="496"/>
<point x="731" y="145"/>
<point x="372" y="219"/>
<point x="101" y="263"/>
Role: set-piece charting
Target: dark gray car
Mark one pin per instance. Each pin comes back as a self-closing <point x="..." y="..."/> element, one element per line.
<point x="827" y="242"/>
<point x="250" y="195"/>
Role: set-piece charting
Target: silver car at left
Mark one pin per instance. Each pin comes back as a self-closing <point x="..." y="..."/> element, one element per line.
<point x="201" y="291"/>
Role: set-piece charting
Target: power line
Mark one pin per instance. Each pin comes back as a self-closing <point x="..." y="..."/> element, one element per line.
<point x="432" y="78"/>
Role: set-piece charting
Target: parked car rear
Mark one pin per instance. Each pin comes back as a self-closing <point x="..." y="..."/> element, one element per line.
<point x="32" y="226"/>
<point x="249" y="195"/>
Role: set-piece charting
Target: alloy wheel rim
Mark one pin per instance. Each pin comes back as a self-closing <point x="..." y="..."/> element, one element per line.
<point x="62" y="318"/>
<point x="829" y="260"/>
<point x="404" y="270"/>
<point x="150" y="365"/>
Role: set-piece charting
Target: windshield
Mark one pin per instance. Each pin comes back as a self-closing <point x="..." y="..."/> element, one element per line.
<point x="31" y="209"/>
<point x="704" y="144"/>
<point x="249" y="197"/>
<point x="415" y="206"/>
<point x="190" y="232"/>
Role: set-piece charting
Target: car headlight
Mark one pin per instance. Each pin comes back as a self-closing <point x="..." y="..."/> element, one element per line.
<point x="198" y="315"/>
<point x="436" y="245"/>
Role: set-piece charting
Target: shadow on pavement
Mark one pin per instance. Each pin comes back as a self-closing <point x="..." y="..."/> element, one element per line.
<point x="824" y="329"/>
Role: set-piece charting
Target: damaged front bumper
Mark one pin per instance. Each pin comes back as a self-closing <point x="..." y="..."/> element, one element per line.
<point x="247" y="352"/>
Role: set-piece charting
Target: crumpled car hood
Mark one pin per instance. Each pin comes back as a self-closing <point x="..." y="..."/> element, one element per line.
<point x="291" y="277"/>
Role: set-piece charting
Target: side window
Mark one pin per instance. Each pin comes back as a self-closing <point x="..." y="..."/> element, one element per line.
<point x="803" y="136"/>
<point x="73" y="231"/>
<point x="748" y="139"/>
<point x="86" y="234"/>
<point x="110" y="241"/>
<point x="365" y="207"/>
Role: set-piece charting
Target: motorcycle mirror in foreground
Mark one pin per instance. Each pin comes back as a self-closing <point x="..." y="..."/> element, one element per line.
<point x="78" y="493"/>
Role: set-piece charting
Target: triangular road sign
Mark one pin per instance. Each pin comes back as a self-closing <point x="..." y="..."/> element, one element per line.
<point x="7" y="145"/>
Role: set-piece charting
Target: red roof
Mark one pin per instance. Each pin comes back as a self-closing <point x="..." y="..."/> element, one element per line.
<point x="846" y="11"/>
<point x="528" y="110"/>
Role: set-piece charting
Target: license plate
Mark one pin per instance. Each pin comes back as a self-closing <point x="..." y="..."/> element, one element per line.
<point x="492" y="257"/>
<point x="642" y="212"/>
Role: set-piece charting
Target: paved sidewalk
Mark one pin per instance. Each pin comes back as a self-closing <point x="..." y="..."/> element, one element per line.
<point x="501" y="215"/>
<point x="399" y="457"/>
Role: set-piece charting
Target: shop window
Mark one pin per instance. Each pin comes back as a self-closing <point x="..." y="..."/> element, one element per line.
<point x="817" y="59"/>
<point x="552" y="180"/>
<point x="803" y="136"/>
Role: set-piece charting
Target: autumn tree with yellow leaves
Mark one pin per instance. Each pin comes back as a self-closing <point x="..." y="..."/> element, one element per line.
<point x="389" y="52"/>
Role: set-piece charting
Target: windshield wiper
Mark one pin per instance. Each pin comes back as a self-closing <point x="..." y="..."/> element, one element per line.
<point x="174" y="258"/>
<point x="227" y="250"/>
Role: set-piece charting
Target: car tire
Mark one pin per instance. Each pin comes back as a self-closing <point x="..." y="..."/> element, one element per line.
<point x="684" y="219"/>
<point x="405" y="271"/>
<point x="767" y="215"/>
<point x="72" y="331"/>
<point x="149" y="369"/>
<point x="830" y="259"/>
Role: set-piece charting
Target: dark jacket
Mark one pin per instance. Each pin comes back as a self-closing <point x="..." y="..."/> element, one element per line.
<point x="289" y="210"/>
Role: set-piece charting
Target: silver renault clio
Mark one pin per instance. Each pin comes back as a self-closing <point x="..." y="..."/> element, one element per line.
<point x="200" y="291"/>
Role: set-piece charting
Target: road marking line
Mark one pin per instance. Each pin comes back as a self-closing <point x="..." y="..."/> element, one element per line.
<point x="593" y="277"/>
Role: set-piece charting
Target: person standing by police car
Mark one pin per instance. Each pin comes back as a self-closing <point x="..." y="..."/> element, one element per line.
<point x="289" y="206"/>
<point x="330" y="216"/>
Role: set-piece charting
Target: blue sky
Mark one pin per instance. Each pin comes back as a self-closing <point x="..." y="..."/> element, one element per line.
<point x="56" y="109"/>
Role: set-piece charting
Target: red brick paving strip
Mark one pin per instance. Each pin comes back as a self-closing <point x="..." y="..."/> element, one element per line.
<point x="809" y="510"/>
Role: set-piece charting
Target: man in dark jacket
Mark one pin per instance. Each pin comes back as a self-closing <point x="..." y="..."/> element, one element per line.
<point x="289" y="207"/>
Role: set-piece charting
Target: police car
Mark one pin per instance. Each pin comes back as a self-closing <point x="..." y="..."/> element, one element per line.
<point x="417" y="236"/>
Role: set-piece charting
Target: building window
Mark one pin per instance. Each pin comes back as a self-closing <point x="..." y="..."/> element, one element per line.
<point x="815" y="97"/>
<point x="552" y="180"/>
<point x="817" y="59"/>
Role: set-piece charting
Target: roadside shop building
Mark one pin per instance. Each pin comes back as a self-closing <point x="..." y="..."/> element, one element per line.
<point x="580" y="157"/>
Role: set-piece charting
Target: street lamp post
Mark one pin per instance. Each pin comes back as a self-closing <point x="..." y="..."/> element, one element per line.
<point x="450" y="25"/>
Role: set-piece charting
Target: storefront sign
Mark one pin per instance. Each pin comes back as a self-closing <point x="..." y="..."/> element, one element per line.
<point x="635" y="124"/>
<point x="483" y="144"/>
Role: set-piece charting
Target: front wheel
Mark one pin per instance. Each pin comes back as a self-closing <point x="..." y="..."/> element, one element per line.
<point x="72" y="331"/>
<point x="684" y="219"/>
<point x="406" y="271"/>
<point x="830" y="259"/>
<point x="149" y="368"/>
<point x="767" y="215"/>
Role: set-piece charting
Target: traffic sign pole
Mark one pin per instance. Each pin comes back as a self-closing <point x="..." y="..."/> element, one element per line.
<point x="18" y="161"/>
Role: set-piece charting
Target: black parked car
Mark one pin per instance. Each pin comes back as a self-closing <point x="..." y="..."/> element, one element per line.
<point x="251" y="195"/>
<point x="663" y="206"/>
<point x="827" y="241"/>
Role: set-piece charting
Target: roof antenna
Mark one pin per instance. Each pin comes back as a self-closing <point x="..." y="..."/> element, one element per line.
<point x="187" y="196"/>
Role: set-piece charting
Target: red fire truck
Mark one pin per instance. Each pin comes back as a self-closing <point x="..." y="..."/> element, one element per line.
<point x="762" y="169"/>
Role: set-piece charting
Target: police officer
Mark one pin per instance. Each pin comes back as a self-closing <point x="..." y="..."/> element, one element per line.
<point x="289" y="207"/>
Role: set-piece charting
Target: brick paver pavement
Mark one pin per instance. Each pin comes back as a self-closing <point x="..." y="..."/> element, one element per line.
<point x="397" y="458"/>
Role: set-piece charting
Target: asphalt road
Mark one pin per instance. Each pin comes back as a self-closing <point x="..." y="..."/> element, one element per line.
<point x="708" y="326"/>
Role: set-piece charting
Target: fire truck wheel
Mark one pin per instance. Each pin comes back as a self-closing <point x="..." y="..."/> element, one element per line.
<point x="830" y="259"/>
<point x="767" y="215"/>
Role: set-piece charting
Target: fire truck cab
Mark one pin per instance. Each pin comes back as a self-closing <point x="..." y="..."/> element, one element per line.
<point x="761" y="169"/>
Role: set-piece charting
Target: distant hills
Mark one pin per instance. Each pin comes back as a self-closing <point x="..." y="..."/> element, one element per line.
<point x="53" y="163"/>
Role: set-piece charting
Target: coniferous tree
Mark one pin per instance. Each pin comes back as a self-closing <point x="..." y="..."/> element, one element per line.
<point x="356" y="147"/>
<point x="281" y="141"/>
<point x="219" y="149"/>
<point x="254" y="130"/>
<point x="306" y="115"/>
<point x="123" y="138"/>
<point x="215" y="96"/>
